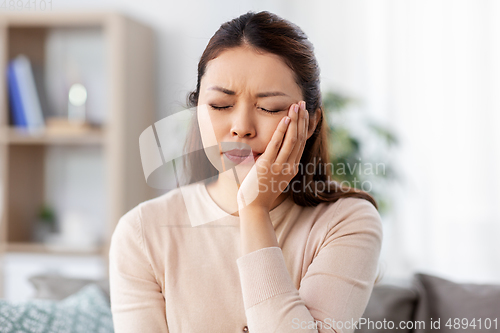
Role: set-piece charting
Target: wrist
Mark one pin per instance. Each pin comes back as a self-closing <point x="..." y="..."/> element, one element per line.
<point x="252" y="209"/>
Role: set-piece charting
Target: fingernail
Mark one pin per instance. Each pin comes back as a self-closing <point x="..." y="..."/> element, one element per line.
<point x="296" y="108"/>
<point x="287" y="120"/>
<point x="303" y="104"/>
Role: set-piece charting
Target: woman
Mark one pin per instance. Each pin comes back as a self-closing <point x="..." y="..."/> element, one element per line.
<point x="261" y="239"/>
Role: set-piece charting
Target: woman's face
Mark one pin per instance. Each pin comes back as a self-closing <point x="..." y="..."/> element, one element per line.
<point x="243" y="96"/>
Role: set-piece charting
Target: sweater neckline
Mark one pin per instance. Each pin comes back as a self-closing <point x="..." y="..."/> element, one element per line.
<point x="275" y="213"/>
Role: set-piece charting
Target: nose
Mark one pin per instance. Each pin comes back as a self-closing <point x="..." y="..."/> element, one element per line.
<point x="242" y="123"/>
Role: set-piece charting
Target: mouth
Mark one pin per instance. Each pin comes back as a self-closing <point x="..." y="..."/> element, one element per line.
<point x="240" y="155"/>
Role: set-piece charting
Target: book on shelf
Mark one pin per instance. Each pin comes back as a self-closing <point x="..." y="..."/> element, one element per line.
<point x="25" y="104"/>
<point x="16" y="106"/>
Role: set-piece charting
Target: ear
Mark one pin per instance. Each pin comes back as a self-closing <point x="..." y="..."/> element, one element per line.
<point x="313" y="122"/>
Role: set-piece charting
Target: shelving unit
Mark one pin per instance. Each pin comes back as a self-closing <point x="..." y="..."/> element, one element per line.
<point x="129" y="72"/>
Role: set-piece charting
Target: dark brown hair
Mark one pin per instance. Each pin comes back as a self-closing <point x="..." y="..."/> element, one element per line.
<point x="268" y="32"/>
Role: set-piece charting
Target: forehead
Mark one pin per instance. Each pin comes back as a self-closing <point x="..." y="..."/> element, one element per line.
<point x="243" y="69"/>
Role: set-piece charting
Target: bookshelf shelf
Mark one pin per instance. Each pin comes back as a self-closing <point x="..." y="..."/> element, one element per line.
<point x="68" y="19"/>
<point x="97" y="167"/>
<point x="50" y="249"/>
<point x="13" y="136"/>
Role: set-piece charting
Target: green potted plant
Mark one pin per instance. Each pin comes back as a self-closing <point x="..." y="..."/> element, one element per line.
<point x="360" y="148"/>
<point x="45" y="224"/>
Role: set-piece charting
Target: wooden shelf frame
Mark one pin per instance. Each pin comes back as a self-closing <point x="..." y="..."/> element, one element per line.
<point x="14" y="136"/>
<point x="31" y="247"/>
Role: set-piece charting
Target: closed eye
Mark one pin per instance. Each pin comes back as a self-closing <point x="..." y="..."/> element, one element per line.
<point x="226" y="107"/>
<point x="270" y="111"/>
<point x="219" y="107"/>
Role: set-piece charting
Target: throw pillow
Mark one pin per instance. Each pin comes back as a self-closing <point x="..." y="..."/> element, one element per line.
<point x="390" y="303"/>
<point x="85" y="311"/>
<point x="58" y="287"/>
<point x="465" y="307"/>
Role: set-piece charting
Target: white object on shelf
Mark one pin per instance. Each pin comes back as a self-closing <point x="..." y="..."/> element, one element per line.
<point x="77" y="97"/>
<point x="76" y="231"/>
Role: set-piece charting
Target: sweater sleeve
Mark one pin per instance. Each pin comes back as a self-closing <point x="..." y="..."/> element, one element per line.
<point x="336" y="287"/>
<point x="137" y="303"/>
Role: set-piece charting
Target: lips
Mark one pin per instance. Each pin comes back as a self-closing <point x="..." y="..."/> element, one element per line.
<point x="240" y="152"/>
<point x="239" y="155"/>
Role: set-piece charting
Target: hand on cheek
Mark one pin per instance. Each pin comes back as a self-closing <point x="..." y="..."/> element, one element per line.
<point x="277" y="166"/>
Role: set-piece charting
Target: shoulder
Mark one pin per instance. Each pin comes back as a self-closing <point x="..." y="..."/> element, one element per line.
<point x="356" y="207"/>
<point x="350" y="215"/>
<point x="156" y="211"/>
<point x="347" y="208"/>
<point x="171" y="200"/>
<point x="140" y="228"/>
<point x="169" y="206"/>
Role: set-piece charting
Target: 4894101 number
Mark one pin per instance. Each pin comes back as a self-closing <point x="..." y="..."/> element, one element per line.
<point x="25" y="5"/>
<point x="474" y="323"/>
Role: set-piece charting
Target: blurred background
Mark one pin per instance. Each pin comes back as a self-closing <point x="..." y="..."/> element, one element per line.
<point x="409" y="84"/>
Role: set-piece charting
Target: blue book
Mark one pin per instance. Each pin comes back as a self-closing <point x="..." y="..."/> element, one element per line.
<point x="16" y="103"/>
<point x="27" y="90"/>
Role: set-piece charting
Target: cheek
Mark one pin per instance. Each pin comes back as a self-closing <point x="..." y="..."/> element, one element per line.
<point x="207" y="130"/>
<point x="219" y="125"/>
<point x="209" y="138"/>
<point x="267" y="130"/>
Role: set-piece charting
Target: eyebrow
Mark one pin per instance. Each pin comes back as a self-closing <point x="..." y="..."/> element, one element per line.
<point x="263" y="94"/>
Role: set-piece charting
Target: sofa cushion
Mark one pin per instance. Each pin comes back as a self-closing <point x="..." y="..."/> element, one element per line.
<point x="57" y="287"/>
<point x="86" y="311"/>
<point x="389" y="302"/>
<point x="442" y="300"/>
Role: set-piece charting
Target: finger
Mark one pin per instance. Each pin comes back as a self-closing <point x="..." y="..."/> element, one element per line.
<point x="290" y="136"/>
<point x="296" y="154"/>
<point x="274" y="145"/>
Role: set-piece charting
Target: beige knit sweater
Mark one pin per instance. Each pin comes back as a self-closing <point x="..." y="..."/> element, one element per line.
<point x="175" y="266"/>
